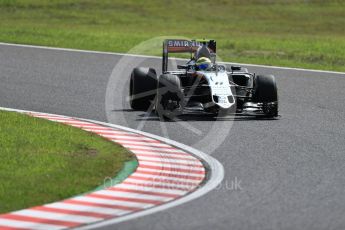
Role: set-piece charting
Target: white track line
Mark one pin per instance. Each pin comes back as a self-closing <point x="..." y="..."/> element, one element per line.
<point x="136" y="147"/>
<point x="171" y="165"/>
<point x="163" y="154"/>
<point x="126" y="138"/>
<point x="86" y="208"/>
<point x="113" y="202"/>
<point x="115" y="194"/>
<point x="57" y="216"/>
<point x="167" y="159"/>
<point x="148" y="189"/>
<point x="28" y="225"/>
<point x="180" y="180"/>
<point x="156" y="57"/>
<point x="142" y="143"/>
<point x="170" y="172"/>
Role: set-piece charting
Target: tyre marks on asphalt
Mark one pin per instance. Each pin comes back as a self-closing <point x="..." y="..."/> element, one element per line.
<point x="164" y="174"/>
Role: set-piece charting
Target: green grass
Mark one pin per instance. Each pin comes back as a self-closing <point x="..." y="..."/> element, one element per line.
<point x="43" y="161"/>
<point x="296" y="33"/>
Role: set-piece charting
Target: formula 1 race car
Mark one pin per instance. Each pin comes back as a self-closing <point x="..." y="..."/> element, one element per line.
<point x="201" y="85"/>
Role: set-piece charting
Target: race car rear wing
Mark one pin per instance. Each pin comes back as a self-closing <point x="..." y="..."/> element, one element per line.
<point x="183" y="46"/>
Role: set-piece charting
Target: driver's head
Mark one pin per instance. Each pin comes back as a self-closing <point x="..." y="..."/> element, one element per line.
<point x="203" y="63"/>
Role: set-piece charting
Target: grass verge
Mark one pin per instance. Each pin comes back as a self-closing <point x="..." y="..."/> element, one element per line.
<point x="295" y="33"/>
<point x="43" y="161"/>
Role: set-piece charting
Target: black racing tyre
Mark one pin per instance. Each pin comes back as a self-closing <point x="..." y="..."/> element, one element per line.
<point x="142" y="88"/>
<point x="170" y="100"/>
<point x="265" y="91"/>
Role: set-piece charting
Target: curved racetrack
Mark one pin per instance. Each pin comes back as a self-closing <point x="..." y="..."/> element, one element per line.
<point x="289" y="172"/>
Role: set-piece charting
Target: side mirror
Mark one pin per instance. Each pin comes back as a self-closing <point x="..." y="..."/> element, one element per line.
<point x="233" y="68"/>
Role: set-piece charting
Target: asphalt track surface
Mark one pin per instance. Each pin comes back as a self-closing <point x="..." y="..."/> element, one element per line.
<point x="289" y="171"/>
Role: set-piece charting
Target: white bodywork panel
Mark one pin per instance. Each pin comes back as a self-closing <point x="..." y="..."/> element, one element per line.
<point x="220" y="87"/>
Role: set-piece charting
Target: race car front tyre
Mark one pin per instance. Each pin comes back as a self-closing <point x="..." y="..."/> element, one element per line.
<point x="170" y="100"/>
<point x="142" y="88"/>
<point x="266" y="93"/>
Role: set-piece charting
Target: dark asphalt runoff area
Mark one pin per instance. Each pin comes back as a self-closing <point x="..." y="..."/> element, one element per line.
<point x="287" y="173"/>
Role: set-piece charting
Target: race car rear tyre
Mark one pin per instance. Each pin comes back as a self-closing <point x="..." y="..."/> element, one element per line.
<point x="170" y="100"/>
<point x="265" y="92"/>
<point x="142" y="88"/>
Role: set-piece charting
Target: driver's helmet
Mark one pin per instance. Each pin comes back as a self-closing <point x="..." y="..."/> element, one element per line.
<point x="203" y="63"/>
